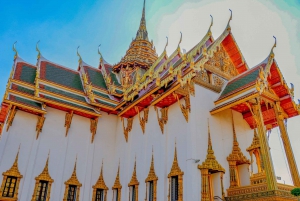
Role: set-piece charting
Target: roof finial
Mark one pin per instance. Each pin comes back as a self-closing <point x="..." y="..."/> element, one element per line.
<point x="180" y="40"/>
<point x="80" y="59"/>
<point x="166" y="43"/>
<point x="15" y="50"/>
<point x="234" y="133"/>
<point x="175" y="154"/>
<point x="142" y="33"/>
<point x="275" y="43"/>
<point x="228" y="24"/>
<point x="101" y="57"/>
<point x="209" y="139"/>
<point x="211" y="23"/>
<point x="38" y="50"/>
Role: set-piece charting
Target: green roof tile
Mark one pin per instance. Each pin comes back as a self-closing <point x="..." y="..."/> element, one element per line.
<point x="27" y="102"/>
<point x="96" y="78"/>
<point x="101" y="94"/>
<point x="64" y="93"/>
<point x="105" y="103"/>
<point x="25" y="90"/>
<point x="28" y="74"/>
<point x="63" y="76"/>
<point x="68" y="103"/>
<point x="240" y="82"/>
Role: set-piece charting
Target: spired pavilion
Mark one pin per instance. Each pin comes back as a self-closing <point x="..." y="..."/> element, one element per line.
<point x="136" y="130"/>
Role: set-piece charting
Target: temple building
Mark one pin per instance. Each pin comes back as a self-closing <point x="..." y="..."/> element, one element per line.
<point x="177" y="126"/>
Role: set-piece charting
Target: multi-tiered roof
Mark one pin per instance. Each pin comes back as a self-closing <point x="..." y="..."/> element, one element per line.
<point x="141" y="79"/>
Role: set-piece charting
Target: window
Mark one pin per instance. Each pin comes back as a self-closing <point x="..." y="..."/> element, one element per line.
<point x="174" y="188"/>
<point x="151" y="191"/>
<point x="116" y="194"/>
<point x="41" y="193"/>
<point x="9" y="187"/>
<point x="99" y="195"/>
<point x="72" y="193"/>
<point x="133" y="193"/>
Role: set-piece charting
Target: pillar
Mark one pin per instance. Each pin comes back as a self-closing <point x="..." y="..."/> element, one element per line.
<point x="204" y="185"/>
<point x="264" y="146"/>
<point x="287" y="145"/>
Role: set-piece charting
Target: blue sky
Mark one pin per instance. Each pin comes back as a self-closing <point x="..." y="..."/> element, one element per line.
<point x="61" y="26"/>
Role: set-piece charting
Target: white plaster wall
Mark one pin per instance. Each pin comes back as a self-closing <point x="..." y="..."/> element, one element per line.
<point x="110" y="146"/>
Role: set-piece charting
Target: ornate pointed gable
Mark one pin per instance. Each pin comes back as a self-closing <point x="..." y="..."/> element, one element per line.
<point x="151" y="175"/>
<point x="117" y="184"/>
<point x="255" y="142"/>
<point x="73" y="179"/>
<point x="134" y="181"/>
<point x="211" y="162"/>
<point x="100" y="184"/>
<point x="236" y="154"/>
<point x="14" y="170"/>
<point x="175" y="169"/>
<point x="45" y="176"/>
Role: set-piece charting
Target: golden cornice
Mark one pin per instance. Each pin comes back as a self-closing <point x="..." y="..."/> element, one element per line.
<point x="174" y="87"/>
<point x="21" y="83"/>
<point x="235" y="103"/>
<point x="69" y="107"/>
<point x="61" y="87"/>
<point x="25" y="106"/>
<point x="234" y="95"/>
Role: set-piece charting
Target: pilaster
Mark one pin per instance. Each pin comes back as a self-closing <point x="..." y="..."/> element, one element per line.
<point x="287" y="145"/>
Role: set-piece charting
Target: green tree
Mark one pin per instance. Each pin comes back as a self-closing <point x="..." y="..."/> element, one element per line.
<point x="296" y="192"/>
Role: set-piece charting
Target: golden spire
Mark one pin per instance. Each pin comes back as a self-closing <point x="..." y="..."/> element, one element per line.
<point x="38" y="50"/>
<point x="142" y="33"/>
<point x="175" y="169"/>
<point x="100" y="182"/>
<point x="236" y="154"/>
<point x="211" y="162"/>
<point x="151" y="175"/>
<point x="117" y="183"/>
<point x="15" y="50"/>
<point x="73" y="179"/>
<point x="14" y="170"/>
<point x="134" y="180"/>
<point x="255" y="142"/>
<point x="45" y="173"/>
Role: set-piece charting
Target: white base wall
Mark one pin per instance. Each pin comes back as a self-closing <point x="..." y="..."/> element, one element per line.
<point x="110" y="146"/>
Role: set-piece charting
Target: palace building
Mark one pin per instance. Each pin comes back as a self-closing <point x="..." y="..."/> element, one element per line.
<point x="153" y="127"/>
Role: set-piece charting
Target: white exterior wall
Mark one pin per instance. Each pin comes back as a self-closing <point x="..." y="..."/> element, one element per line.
<point x="110" y="145"/>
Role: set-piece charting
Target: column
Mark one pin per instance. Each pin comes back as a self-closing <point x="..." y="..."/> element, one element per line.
<point x="287" y="145"/>
<point x="264" y="146"/>
<point x="204" y="185"/>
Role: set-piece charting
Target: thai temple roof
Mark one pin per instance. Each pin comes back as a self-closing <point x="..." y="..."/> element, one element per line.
<point x="142" y="79"/>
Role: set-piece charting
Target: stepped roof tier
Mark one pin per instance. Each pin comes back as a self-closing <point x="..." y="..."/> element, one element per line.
<point x="142" y="79"/>
<point x="264" y="80"/>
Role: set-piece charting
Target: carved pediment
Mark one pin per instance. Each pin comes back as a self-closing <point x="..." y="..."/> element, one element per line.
<point x="220" y="63"/>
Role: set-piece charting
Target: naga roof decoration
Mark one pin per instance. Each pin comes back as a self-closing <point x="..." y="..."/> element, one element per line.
<point x="264" y="80"/>
<point x="142" y="79"/>
<point x="211" y="162"/>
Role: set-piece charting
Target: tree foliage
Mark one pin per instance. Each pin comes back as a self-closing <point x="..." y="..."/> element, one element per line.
<point x="295" y="192"/>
